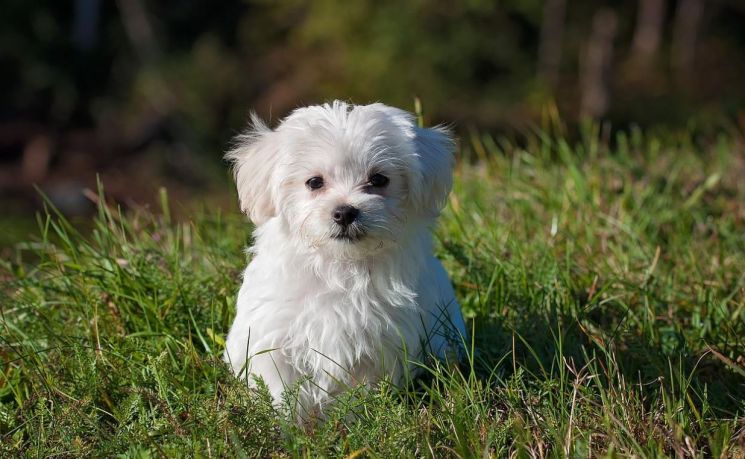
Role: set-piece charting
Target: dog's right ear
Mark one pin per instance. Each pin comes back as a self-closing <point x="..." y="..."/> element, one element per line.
<point x="254" y="160"/>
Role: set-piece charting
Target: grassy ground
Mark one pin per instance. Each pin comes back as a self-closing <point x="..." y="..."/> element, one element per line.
<point x="605" y="285"/>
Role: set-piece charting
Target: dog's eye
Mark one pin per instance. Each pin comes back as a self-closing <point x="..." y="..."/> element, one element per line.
<point x="379" y="180"/>
<point x="314" y="183"/>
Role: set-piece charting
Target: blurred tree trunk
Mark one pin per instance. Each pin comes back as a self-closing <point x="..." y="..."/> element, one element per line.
<point x="685" y="37"/>
<point x="85" y="25"/>
<point x="650" y="19"/>
<point x="549" y="51"/>
<point x="139" y="29"/>
<point x="596" y="65"/>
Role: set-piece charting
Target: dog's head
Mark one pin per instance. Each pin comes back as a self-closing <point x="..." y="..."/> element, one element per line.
<point x="344" y="179"/>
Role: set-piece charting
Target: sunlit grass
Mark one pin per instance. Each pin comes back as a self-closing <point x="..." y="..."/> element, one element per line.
<point x="605" y="287"/>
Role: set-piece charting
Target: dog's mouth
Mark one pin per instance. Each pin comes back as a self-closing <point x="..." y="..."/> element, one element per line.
<point x="350" y="235"/>
<point x="347" y="237"/>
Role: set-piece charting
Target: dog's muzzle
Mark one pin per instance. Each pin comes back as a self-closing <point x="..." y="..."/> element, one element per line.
<point x="347" y="225"/>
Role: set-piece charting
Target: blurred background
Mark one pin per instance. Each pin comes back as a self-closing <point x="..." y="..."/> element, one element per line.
<point x="148" y="94"/>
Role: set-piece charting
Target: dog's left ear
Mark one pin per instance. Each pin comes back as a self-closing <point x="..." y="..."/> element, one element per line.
<point x="432" y="178"/>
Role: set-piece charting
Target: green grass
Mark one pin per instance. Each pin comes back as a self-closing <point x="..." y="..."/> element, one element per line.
<point x="605" y="287"/>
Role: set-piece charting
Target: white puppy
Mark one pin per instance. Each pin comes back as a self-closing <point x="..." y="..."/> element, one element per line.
<point x="343" y="288"/>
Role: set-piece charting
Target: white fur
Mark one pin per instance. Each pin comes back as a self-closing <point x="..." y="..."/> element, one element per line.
<point x="326" y="314"/>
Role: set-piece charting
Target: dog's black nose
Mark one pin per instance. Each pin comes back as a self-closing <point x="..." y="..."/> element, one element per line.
<point x="345" y="215"/>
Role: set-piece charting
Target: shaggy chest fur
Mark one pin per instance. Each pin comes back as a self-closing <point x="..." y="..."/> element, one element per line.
<point x="346" y="313"/>
<point x="340" y="332"/>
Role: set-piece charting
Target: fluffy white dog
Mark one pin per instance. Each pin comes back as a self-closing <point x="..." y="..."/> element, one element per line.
<point x="343" y="288"/>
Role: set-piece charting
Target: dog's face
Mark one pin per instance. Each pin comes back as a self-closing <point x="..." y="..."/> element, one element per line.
<point x="348" y="181"/>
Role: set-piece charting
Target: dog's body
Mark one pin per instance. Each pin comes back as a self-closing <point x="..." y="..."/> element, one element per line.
<point x="343" y="288"/>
